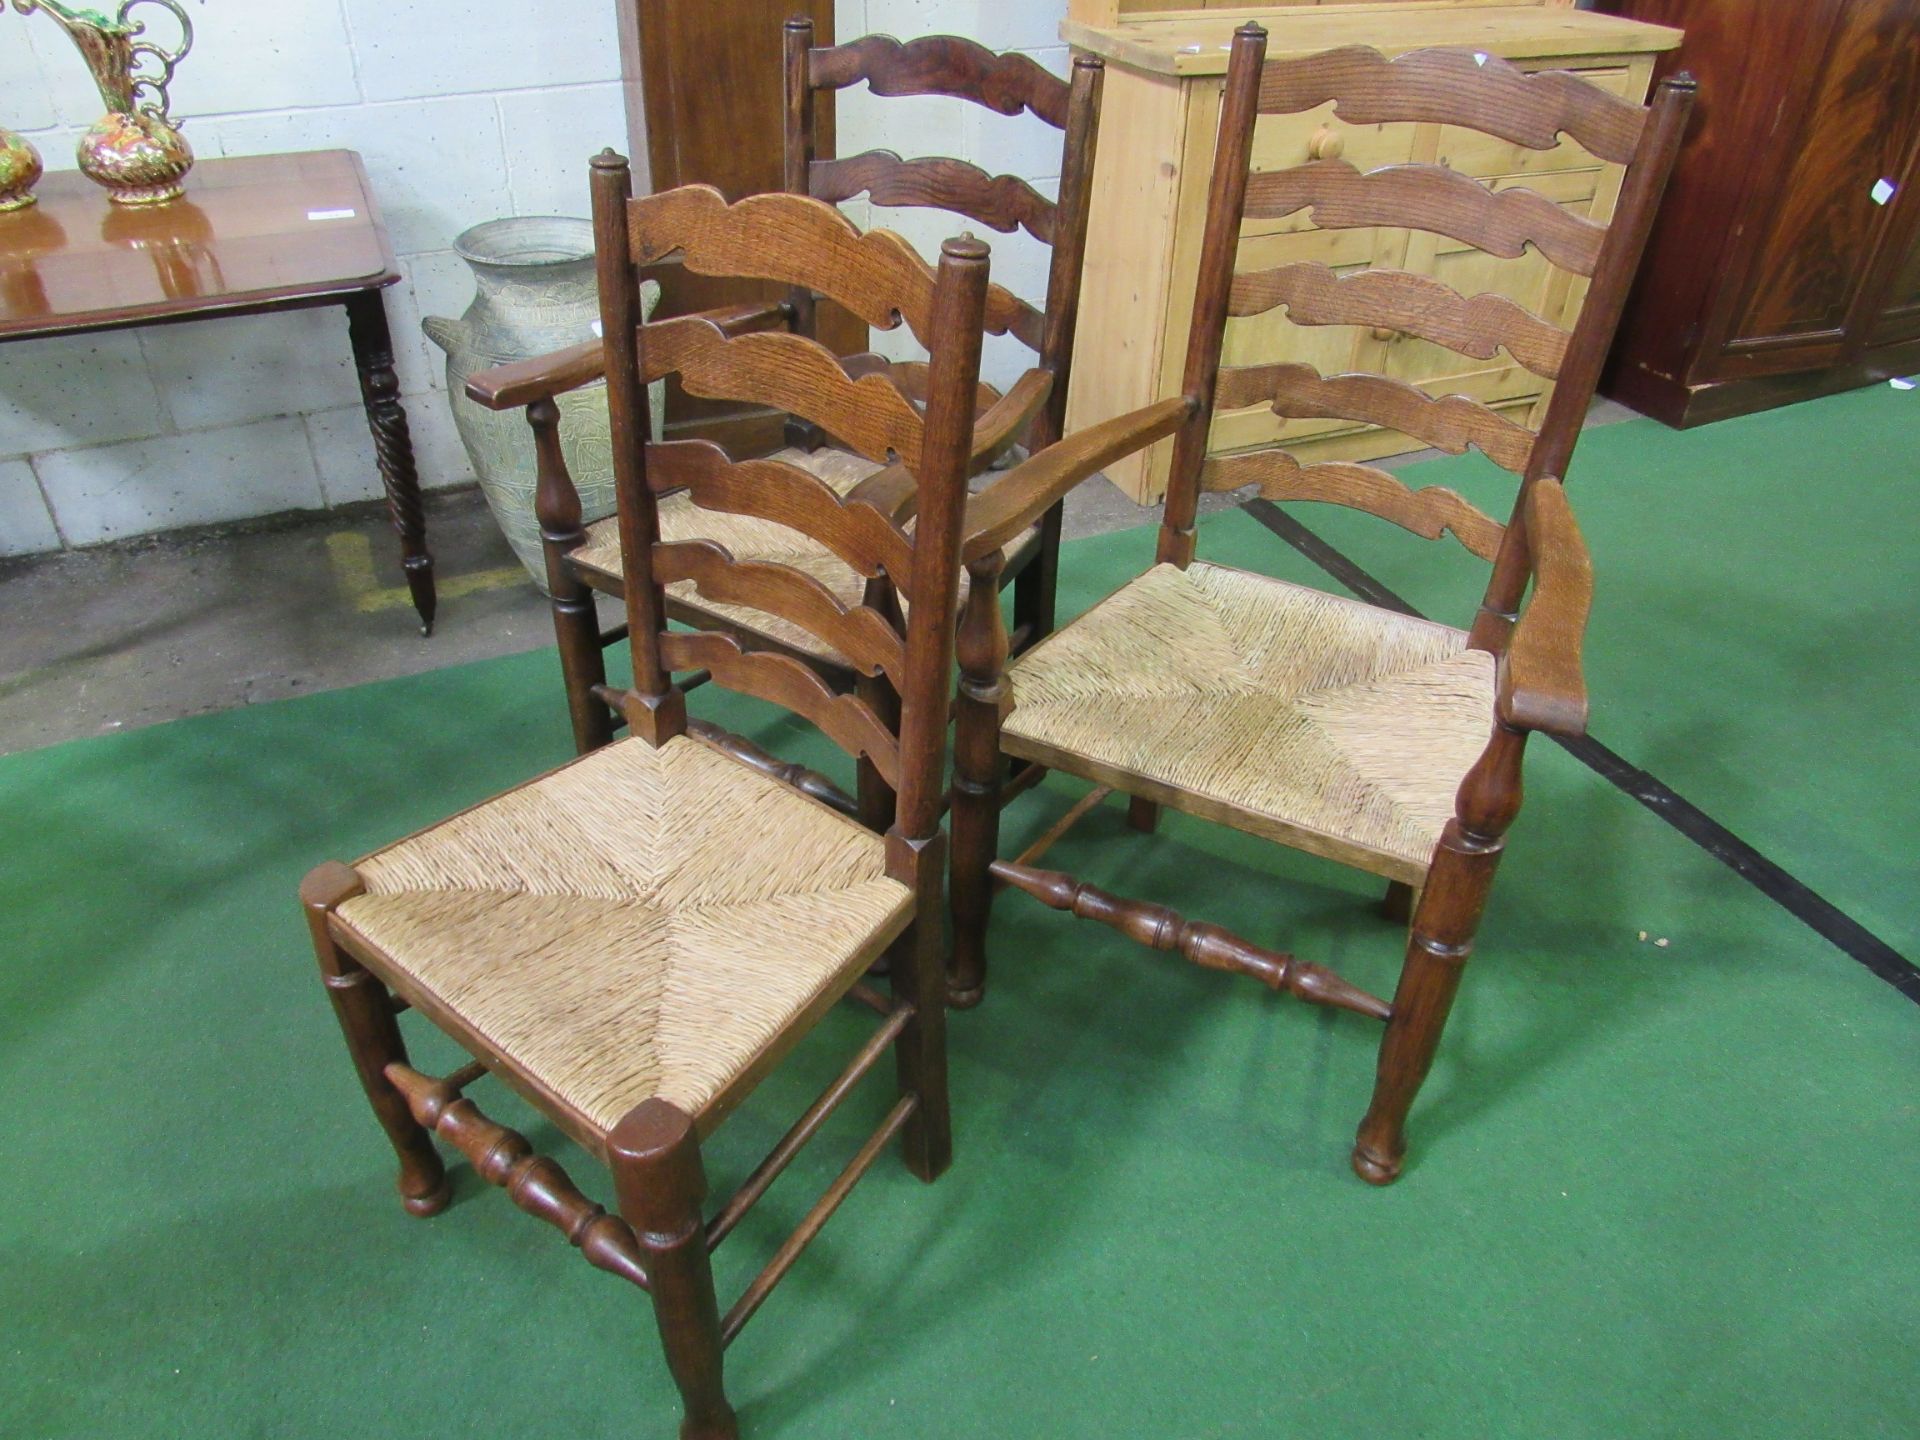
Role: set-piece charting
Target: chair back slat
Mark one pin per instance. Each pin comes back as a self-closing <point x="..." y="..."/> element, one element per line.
<point x="1467" y="88"/>
<point x="1001" y="202"/>
<point x="870" y="645"/>
<point x="1447" y="422"/>
<point x="845" y="719"/>
<point x="1429" y="512"/>
<point x="786" y="495"/>
<point x="1431" y="198"/>
<point x="878" y="276"/>
<point x="947" y="65"/>
<point x="1478" y="326"/>
<point x="868" y="415"/>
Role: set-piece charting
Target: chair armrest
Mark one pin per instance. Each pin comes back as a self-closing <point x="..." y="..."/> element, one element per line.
<point x="893" y="490"/>
<point x="1541" y="685"/>
<point x="1025" y="493"/>
<point x="521" y="382"/>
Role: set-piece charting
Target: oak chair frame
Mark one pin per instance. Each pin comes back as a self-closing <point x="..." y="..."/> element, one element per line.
<point x="659" y="1237"/>
<point x="1538" y="679"/>
<point x="1030" y="413"/>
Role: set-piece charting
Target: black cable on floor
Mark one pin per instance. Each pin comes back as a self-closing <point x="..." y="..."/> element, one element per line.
<point x="1819" y="914"/>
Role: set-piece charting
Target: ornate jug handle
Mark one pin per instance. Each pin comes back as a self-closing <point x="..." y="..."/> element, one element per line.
<point x="155" y="83"/>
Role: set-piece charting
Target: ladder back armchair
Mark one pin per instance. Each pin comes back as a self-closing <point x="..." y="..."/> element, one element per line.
<point x="633" y="940"/>
<point x="1352" y="732"/>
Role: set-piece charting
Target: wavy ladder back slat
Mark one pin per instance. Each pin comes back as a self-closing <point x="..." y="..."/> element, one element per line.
<point x="1479" y="326"/>
<point x="942" y="65"/>
<point x="787" y="495"/>
<point x="1003" y="202"/>
<point x="1456" y="87"/>
<point x="1449" y="422"/>
<point x="869" y="415"/>
<point x="1431" y="198"/>
<point x="1429" y="512"/>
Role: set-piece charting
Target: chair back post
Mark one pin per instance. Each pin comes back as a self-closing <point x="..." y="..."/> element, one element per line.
<point x="1067" y="263"/>
<point x="800" y="144"/>
<point x="654" y="707"/>
<point x="953" y="381"/>
<point x="1640" y="196"/>
<point x="1226" y="197"/>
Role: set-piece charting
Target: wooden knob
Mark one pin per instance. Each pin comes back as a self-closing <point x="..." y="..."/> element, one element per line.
<point x="1387" y="337"/>
<point x="1326" y="144"/>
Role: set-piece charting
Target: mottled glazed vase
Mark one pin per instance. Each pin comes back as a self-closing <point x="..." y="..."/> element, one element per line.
<point x="534" y="294"/>
<point x="20" y="170"/>
<point x="133" y="150"/>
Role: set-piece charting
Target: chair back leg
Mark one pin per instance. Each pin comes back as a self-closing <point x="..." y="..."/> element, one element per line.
<point x="661" y="1184"/>
<point x="365" y="1011"/>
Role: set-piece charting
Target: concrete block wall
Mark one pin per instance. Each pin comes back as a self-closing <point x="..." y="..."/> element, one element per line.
<point x="461" y="116"/>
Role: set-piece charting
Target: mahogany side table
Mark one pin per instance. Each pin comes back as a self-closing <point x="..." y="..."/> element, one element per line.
<point x="252" y="234"/>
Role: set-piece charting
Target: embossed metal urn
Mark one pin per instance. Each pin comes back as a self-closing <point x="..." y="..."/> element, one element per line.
<point x="534" y="293"/>
<point x="134" y="150"/>
<point x="20" y="170"/>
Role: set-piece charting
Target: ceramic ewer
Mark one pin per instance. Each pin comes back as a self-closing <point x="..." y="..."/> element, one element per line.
<point x="534" y="294"/>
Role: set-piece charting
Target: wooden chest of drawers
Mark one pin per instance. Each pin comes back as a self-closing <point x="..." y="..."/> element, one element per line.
<point x="1161" y="111"/>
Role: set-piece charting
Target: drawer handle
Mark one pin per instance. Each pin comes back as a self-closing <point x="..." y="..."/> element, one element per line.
<point x="1326" y="144"/>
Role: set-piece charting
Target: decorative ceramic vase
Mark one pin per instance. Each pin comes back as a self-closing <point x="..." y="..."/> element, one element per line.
<point x="534" y="294"/>
<point x="134" y="150"/>
<point x="20" y="170"/>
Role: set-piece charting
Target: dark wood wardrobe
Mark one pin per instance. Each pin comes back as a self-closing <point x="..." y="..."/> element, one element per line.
<point x="1786" y="263"/>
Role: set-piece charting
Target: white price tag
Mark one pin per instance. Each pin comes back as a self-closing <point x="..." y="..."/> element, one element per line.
<point x="598" y="333"/>
<point x="1480" y="58"/>
<point x="1883" y="191"/>
<point x="330" y="214"/>
<point x="1909" y="383"/>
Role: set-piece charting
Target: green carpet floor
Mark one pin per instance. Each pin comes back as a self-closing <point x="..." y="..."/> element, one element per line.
<point x="1657" y="1191"/>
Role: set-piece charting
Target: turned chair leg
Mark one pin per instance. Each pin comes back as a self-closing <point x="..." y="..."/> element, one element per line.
<point x="365" y="1011"/>
<point x="576" y="624"/>
<point x="918" y="976"/>
<point x="982" y="653"/>
<point x="1397" y="904"/>
<point x="1143" y="815"/>
<point x="1440" y="942"/>
<point x="661" y="1183"/>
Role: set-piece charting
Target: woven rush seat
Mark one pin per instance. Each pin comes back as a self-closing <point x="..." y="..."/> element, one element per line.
<point x="639" y="923"/>
<point x="1317" y="721"/>
<point x="747" y="537"/>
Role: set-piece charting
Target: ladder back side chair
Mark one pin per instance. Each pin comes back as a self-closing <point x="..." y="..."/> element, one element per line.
<point x="1352" y="732"/>
<point x="633" y="940"/>
<point x="583" y="559"/>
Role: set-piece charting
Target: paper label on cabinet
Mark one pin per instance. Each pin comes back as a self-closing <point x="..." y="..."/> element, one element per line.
<point x="1909" y="383"/>
<point x="1883" y="191"/>
<point x="330" y="214"/>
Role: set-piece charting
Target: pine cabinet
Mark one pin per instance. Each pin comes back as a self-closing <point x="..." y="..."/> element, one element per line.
<point x="1165" y="75"/>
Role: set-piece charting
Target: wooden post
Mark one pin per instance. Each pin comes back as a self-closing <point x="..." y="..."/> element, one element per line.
<point x="982" y="647"/>
<point x="365" y="1011"/>
<point x="661" y="1183"/>
<point x="576" y="622"/>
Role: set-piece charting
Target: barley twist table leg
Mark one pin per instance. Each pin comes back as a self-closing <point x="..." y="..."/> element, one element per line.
<point x="392" y="444"/>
